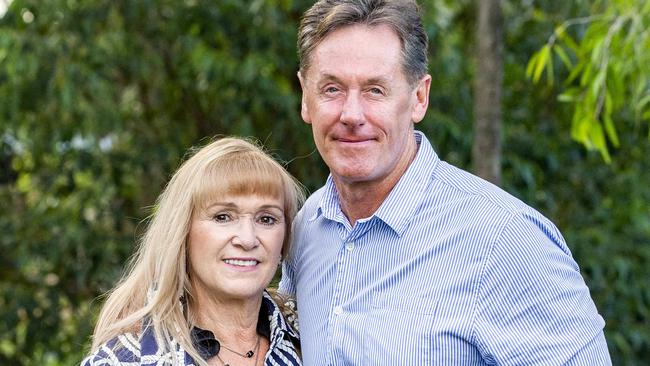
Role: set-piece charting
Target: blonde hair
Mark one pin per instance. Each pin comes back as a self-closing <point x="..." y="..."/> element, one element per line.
<point x="156" y="278"/>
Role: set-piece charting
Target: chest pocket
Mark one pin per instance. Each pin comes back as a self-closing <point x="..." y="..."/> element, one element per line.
<point x="399" y="330"/>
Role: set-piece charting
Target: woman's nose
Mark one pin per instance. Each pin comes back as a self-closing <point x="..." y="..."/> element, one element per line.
<point x="245" y="234"/>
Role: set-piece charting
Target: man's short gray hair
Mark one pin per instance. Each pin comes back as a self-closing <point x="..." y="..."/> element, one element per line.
<point x="403" y="16"/>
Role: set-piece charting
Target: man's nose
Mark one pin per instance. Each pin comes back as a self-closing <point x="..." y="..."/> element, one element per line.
<point x="245" y="235"/>
<point x="352" y="111"/>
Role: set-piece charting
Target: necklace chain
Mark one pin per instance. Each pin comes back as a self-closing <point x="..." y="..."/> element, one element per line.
<point x="248" y="354"/>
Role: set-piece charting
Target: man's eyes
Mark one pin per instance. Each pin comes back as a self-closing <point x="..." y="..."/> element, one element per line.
<point x="373" y="90"/>
<point x="331" y="89"/>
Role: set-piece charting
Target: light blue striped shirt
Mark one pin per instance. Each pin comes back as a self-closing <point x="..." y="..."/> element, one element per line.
<point x="450" y="270"/>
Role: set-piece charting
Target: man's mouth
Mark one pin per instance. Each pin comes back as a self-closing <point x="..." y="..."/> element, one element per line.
<point x="354" y="140"/>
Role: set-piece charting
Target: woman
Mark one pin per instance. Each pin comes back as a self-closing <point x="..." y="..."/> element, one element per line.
<point x="195" y="291"/>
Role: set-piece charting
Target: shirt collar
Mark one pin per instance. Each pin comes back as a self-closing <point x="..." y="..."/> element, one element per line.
<point x="329" y="204"/>
<point x="399" y="206"/>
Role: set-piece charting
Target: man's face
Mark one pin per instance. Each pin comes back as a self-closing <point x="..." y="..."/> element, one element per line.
<point x="361" y="106"/>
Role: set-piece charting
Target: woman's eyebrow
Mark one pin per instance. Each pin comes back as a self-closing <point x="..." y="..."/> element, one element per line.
<point x="233" y="205"/>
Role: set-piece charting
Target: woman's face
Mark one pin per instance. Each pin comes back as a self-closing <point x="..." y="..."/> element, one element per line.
<point x="235" y="246"/>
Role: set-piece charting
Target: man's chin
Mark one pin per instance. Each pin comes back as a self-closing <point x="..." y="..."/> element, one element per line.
<point x="352" y="175"/>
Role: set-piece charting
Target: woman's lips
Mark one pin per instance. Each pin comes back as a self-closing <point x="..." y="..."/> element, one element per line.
<point x="242" y="263"/>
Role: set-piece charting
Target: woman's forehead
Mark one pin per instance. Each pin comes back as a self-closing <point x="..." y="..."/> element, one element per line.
<point x="220" y="198"/>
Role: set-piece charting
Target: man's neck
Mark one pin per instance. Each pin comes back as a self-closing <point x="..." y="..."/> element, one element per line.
<point x="360" y="200"/>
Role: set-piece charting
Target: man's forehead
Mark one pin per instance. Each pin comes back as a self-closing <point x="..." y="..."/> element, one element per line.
<point x="352" y="37"/>
<point x="373" y="53"/>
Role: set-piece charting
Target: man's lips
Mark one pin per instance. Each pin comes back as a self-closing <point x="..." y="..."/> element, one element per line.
<point x="354" y="140"/>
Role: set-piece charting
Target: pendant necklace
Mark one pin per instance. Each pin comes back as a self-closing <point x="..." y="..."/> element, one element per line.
<point x="248" y="354"/>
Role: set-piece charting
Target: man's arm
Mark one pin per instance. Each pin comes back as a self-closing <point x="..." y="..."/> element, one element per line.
<point x="533" y="306"/>
<point x="594" y="353"/>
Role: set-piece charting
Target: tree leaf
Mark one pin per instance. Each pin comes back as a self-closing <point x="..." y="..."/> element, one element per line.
<point x="543" y="57"/>
<point x="559" y="50"/>
<point x="611" y="130"/>
<point x="532" y="64"/>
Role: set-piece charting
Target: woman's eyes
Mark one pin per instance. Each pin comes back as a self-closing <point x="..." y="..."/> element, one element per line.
<point x="222" y="217"/>
<point x="263" y="219"/>
<point x="268" y="220"/>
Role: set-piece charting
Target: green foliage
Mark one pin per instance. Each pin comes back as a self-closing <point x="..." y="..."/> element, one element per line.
<point x="602" y="209"/>
<point x="609" y="63"/>
<point x="99" y="100"/>
<point x="98" y="103"/>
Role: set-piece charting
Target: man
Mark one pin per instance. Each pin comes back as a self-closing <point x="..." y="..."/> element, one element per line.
<point x="402" y="259"/>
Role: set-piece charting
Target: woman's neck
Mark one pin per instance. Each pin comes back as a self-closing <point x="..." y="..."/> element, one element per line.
<point x="232" y="322"/>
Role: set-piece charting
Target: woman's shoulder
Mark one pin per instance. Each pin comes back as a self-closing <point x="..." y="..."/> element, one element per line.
<point x="282" y="306"/>
<point x="123" y="349"/>
<point x="283" y="329"/>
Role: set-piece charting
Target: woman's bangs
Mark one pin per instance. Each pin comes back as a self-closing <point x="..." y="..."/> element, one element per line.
<point x="245" y="176"/>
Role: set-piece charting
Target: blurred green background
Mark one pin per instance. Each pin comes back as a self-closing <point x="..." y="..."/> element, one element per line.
<point x="99" y="101"/>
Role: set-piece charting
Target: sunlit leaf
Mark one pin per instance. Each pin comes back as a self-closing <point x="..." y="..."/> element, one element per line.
<point x="540" y="65"/>
<point x="563" y="56"/>
<point x="611" y="130"/>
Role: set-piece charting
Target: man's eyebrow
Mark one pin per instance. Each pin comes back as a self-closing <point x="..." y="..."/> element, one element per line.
<point x="324" y="78"/>
<point x="380" y="80"/>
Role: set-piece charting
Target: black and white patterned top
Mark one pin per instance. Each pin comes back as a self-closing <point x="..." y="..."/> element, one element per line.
<point x="131" y="349"/>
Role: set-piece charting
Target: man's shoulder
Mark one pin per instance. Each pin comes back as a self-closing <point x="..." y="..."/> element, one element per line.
<point x="306" y="213"/>
<point x="493" y="203"/>
<point x="313" y="202"/>
<point x="461" y="183"/>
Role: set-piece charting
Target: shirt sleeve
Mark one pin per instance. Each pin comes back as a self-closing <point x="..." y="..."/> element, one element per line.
<point x="533" y="306"/>
<point x="594" y="353"/>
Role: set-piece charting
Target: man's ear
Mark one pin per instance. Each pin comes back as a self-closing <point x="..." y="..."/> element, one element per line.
<point x="421" y="102"/>
<point x="304" y="110"/>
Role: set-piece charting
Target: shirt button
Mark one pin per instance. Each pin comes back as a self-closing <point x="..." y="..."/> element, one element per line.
<point x="338" y="310"/>
<point x="349" y="246"/>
